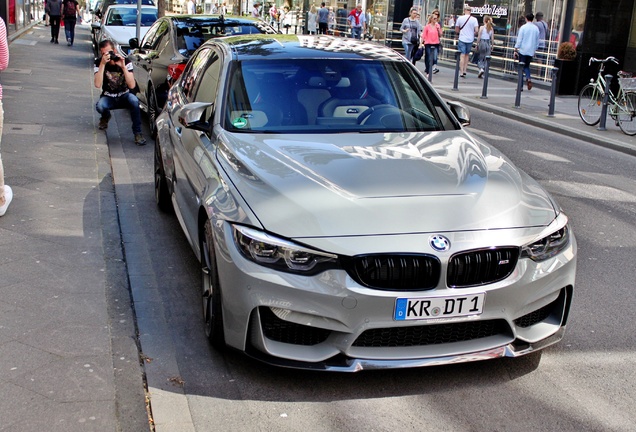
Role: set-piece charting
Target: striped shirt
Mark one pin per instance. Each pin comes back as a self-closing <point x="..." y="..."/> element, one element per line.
<point x="4" y="50"/>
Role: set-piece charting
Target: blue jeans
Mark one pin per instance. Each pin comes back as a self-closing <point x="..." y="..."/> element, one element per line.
<point x="356" y="32"/>
<point x="408" y="49"/>
<point x="128" y="101"/>
<point x="69" y="28"/>
<point x="430" y="52"/>
<point x="525" y="60"/>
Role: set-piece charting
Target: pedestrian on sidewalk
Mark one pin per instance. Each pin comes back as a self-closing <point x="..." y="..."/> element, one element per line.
<point x="431" y="38"/>
<point x="411" y="29"/>
<point x="6" y="194"/>
<point x="323" y="19"/>
<point x="526" y="45"/>
<point x="358" y="22"/>
<point x="113" y="74"/>
<point x="484" y="43"/>
<point x="54" y="11"/>
<point x="466" y="27"/>
<point x="70" y="10"/>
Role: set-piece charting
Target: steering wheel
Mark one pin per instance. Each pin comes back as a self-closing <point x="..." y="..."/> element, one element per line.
<point x="383" y="114"/>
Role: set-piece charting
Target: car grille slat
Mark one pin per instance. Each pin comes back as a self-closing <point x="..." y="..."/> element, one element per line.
<point x="434" y="334"/>
<point x="481" y="267"/>
<point x="395" y="271"/>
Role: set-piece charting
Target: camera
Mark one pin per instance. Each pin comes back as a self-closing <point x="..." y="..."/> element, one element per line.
<point x="113" y="56"/>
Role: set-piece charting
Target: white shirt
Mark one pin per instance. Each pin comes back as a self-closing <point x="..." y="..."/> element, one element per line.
<point x="467" y="33"/>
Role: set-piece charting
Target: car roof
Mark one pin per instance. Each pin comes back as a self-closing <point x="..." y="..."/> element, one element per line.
<point x="183" y="20"/>
<point x="129" y="6"/>
<point x="285" y="46"/>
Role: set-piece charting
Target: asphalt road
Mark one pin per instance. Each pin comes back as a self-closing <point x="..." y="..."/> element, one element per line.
<point x="583" y="383"/>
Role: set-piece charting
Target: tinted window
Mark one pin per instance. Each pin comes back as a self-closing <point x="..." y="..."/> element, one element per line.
<point x="330" y="96"/>
<point x="191" y="78"/>
<point x="191" y="35"/>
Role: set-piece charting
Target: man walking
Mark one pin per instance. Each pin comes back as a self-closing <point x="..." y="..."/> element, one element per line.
<point x="54" y="11"/>
<point x="466" y="27"/>
<point x="543" y="29"/>
<point x="526" y="45"/>
<point x="357" y="22"/>
<point x="323" y="19"/>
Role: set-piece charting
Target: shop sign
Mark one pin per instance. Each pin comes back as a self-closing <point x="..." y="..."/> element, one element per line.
<point x="492" y="10"/>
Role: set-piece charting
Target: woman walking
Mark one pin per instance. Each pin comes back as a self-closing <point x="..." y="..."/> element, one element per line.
<point x="431" y="37"/>
<point x="411" y="29"/>
<point x="484" y="43"/>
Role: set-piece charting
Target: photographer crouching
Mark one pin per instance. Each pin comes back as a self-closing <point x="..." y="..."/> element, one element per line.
<point x="113" y="74"/>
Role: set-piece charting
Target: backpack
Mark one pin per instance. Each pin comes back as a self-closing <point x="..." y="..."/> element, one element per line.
<point x="70" y="9"/>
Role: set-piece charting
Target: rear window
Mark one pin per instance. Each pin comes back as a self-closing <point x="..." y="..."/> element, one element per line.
<point x="330" y="96"/>
<point x="192" y="35"/>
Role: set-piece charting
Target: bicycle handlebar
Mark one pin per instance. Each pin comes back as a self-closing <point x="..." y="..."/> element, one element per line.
<point x="609" y="59"/>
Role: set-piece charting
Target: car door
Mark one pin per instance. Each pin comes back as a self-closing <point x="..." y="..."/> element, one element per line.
<point x="190" y="146"/>
<point x="142" y="58"/>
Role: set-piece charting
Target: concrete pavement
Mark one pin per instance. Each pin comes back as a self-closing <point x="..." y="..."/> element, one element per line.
<point x="69" y="352"/>
<point x="68" y="348"/>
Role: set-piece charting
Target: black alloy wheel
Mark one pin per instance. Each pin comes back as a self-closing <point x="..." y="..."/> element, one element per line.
<point x="211" y="289"/>
<point x="162" y="194"/>
<point x="153" y="110"/>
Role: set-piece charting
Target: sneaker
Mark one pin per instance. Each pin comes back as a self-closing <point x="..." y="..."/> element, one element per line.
<point x="463" y="75"/>
<point x="52" y="40"/>
<point x="68" y="42"/>
<point x="529" y="85"/>
<point x="435" y="70"/>
<point x="8" y="196"/>
<point x="103" y="123"/>
<point x="481" y="73"/>
<point x="139" y="139"/>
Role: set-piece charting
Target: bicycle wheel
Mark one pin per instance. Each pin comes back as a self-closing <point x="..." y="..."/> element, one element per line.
<point x="627" y="114"/>
<point x="590" y="105"/>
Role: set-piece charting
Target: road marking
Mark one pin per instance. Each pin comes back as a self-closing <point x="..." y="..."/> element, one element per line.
<point x="488" y="135"/>
<point x="548" y="156"/>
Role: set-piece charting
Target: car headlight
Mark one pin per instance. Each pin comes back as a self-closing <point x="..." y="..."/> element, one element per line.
<point x="548" y="246"/>
<point x="280" y="254"/>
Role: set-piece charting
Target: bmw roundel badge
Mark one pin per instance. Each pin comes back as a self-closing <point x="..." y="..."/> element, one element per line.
<point x="439" y="243"/>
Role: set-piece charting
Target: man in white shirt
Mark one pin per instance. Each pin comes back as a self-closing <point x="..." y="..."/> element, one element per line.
<point x="466" y="27"/>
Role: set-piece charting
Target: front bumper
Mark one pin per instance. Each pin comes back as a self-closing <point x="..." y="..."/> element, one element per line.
<point x="329" y="322"/>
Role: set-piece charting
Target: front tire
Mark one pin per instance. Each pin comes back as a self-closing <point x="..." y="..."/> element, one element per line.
<point x="590" y="105"/>
<point x="162" y="194"/>
<point x="211" y="287"/>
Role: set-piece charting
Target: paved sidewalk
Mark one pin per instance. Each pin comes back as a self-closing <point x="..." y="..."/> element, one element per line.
<point x="68" y="354"/>
<point x="533" y="109"/>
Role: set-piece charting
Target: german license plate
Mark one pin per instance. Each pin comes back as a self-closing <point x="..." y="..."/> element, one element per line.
<point x="419" y="308"/>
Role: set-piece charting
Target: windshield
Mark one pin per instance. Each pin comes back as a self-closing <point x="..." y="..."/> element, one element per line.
<point x="191" y="35"/>
<point x="330" y="95"/>
<point x="128" y="17"/>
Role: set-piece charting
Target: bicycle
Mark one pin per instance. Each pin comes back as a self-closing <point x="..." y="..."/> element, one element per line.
<point x="621" y="107"/>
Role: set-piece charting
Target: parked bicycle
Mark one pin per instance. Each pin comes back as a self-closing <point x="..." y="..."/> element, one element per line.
<point x="621" y="107"/>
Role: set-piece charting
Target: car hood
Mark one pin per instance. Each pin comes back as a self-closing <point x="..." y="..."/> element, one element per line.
<point x="372" y="184"/>
<point x="122" y="34"/>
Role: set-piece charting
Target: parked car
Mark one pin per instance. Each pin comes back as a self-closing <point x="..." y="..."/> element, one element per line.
<point x="343" y="217"/>
<point x="162" y="54"/>
<point x="119" y="24"/>
<point x="99" y="8"/>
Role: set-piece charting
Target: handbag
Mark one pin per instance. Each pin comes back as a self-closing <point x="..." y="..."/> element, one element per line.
<point x="418" y="54"/>
<point x="415" y="40"/>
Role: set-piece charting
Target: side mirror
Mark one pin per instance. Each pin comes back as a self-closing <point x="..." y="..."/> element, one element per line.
<point x="460" y="112"/>
<point x="191" y="116"/>
<point x="96" y="25"/>
<point x="133" y="43"/>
